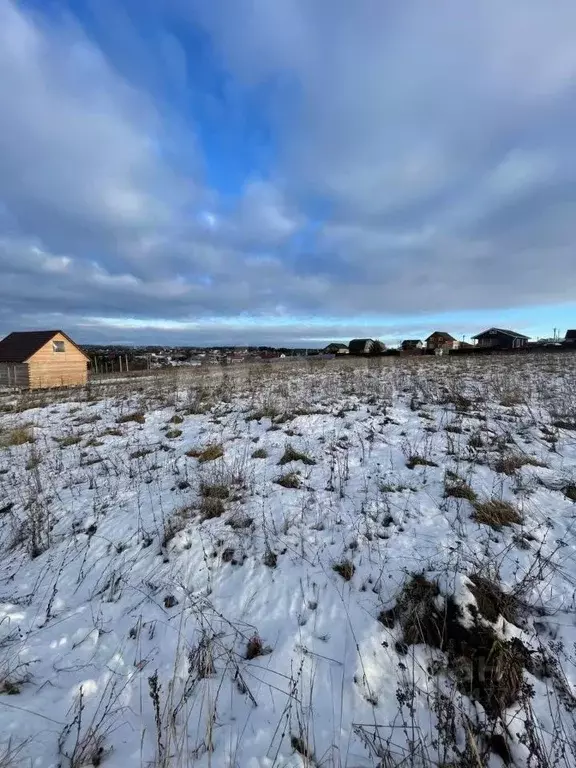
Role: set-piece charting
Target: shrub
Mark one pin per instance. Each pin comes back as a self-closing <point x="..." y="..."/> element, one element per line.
<point x="260" y="453"/>
<point x="172" y="434"/>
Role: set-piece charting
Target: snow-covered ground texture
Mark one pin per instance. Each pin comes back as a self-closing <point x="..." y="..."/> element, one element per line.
<point x="339" y="564"/>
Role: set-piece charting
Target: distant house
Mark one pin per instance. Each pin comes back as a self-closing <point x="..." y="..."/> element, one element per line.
<point x="570" y="337"/>
<point x="500" y="338"/>
<point x="38" y="359"/>
<point x="336" y="349"/>
<point x="366" y="347"/>
<point x="408" y="344"/>
<point x="440" y="340"/>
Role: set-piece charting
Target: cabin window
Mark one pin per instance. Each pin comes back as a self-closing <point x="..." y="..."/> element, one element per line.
<point x="58" y="346"/>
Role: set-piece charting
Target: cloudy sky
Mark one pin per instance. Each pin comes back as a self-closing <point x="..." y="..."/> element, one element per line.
<point x="286" y="171"/>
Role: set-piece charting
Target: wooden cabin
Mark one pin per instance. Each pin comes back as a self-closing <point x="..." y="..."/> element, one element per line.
<point x="41" y="359"/>
<point x="500" y="338"/>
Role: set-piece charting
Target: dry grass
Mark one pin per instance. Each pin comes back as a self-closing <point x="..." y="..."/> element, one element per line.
<point x="483" y="666"/>
<point x="512" y="462"/>
<point x="460" y="490"/>
<point x="289" y="480"/>
<point x="496" y="513"/>
<point x="215" y="491"/>
<point x="16" y="436"/>
<point x="209" y="453"/>
<point x="255" y="647"/>
<point x="68" y="440"/>
<point x="345" y="568"/>
<point x="211" y="508"/>
<point x="419" y="461"/>
<point x="137" y="417"/>
<point x="177" y="522"/>
<point x="492" y="601"/>
<point x="260" y="453"/>
<point x="291" y="454"/>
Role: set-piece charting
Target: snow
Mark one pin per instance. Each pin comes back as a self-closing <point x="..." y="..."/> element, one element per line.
<point x="87" y="564"/>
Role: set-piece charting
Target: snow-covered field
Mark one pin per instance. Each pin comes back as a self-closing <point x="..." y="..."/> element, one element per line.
<point x="333" y="564"/>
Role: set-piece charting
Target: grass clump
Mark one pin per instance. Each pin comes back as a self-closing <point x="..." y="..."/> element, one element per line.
<point x="177" y="522"/>
<point x="260" y="453"/>
<point x="561" y="424"/>
<point x="209" y="453"/>
<point x="64" y="442"/>
<point x="460" y="490"/>
<point x="266" y="412"/>
<point x="512" y="462"/>
<point x="214" y="491"/>
<point x="496" y="513"/>
<point x="345" y="568"/>
<point x="16" y="436"/>
<point x="137" y="417"/>
<point x="291" y="454"/>
<point x="419" y="461"/>
<point x="492" y="601"/>
<point x="210" y="508"/>
<point x="140" y="453"/>
<point x="172" y="434"/>
<point x="255" y="647"/>
<point x="289" y="480"/>
<point x="176" y="419"/>
<point x="12" y="679"/>
<point x="485" y="667"/>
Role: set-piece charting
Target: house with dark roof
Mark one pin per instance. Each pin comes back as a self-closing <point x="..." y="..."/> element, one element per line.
<point x="336" y="348"/>
<point x="409" y="344"/>
<point x="366" y="347"/>
<point x="570" y="337"/>
<point x="440" y="340"/>
<point x="500" y="338"/>
<point x="38" y="359"/>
